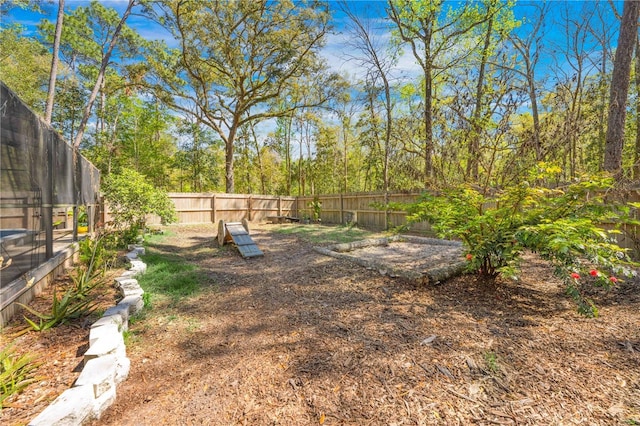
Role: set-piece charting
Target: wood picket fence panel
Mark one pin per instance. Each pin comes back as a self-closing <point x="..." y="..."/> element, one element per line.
<point x="361" y="208"/>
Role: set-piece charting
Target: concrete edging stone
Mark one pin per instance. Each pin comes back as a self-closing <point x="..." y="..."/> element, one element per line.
<point x="105" y="362"/>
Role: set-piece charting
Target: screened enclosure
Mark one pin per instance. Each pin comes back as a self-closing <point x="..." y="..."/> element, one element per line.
<point x="48" y="192"/>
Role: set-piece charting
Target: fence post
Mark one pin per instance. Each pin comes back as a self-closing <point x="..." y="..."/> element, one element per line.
<point x="249" y="209"/>
<point x="279" y="205"/>
<point x="91" y="223"/>
<point x="341" y="209"/>
<point x="213" y="209"/>
<point x="46" y="138"/>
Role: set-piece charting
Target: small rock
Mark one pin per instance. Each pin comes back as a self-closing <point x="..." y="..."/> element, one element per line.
<point x="474" y="389"/>
<point x="429" y="340"/>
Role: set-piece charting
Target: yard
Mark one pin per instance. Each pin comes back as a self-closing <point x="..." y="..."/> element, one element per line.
<point x="298" y="338"/>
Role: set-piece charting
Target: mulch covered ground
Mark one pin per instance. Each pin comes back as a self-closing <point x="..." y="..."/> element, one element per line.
<point x="58" y="351"/>
<point x="298" y="338"/>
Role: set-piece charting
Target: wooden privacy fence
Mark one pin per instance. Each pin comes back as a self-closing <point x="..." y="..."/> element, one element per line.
<point x="193" y="208"/>
<point x="360" y="208"/>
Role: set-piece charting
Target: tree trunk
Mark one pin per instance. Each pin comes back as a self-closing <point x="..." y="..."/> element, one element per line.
<point x="263" y="177"/>
<point x="346" y="156"/>
<point x="474" y="143"/>
<point x="428" y="125"/>
<point x="247" y="170"/>
<point x="228" y="164"/>
<point x="103" y="68"/>
<point x="602" y="126"/>
<point x="288" y="155"/>
<point x="54" y="63"/>
<point x="387" y="146"/>
<point x="636" y="162"/>
<point x="536" y="116"/>
<point x="620" y="87"/>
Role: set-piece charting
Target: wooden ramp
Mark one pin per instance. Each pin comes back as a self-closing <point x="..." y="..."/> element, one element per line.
<point x="238" y="233"/>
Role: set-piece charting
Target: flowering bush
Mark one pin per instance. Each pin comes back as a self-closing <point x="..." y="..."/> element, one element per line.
<point x="561" y="225"/>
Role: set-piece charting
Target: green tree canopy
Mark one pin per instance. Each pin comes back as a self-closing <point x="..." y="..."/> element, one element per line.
<point x="235" y="58"/>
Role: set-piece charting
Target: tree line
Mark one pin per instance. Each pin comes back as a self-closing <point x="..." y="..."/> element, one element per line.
<point x="238" y="96"/>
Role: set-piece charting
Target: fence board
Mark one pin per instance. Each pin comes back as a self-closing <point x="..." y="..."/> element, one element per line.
<point x="194" y="208"/>
<point x="342" y="208"/>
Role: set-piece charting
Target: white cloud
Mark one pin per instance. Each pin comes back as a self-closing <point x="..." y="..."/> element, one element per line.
<point x="342" y="58"/>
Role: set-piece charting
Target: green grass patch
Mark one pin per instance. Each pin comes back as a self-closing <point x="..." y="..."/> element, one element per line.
<point x="152" y="238"/>
<point x="491" y="360"/>
<point x="171" y="276"/>
<point x="322" y="234"/>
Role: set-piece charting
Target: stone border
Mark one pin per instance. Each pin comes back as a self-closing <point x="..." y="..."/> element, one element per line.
<point x="429" y="276"/>
<point x="105" y="362"/>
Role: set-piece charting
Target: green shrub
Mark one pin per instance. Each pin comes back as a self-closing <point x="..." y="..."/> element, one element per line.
<point x="131" y="198"/>
<point x="561" y="225"/>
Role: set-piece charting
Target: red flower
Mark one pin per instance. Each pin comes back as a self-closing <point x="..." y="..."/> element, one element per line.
<point x="575" y="276"/>
<point x="613" y="280"/>
<point x="594" y="273"/>
<point x="469" y="256"/>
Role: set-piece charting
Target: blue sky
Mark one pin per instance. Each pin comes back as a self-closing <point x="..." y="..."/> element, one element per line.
<point x="336" y="50"/>
<point x="338" y="53"/>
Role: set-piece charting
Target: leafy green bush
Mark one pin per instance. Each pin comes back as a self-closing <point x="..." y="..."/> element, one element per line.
<point x="16" y="372"/>
<point x="561" y="225"/>
<point x="131" y="198"/>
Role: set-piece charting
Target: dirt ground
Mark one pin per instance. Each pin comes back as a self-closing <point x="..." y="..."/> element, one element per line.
<point x="298" y="338"/>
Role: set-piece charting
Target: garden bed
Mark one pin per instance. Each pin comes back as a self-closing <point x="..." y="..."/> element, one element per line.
<point x="58" y="352"/>
<point x="423" y="260"/>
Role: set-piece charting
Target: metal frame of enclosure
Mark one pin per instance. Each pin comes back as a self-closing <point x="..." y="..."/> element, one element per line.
<point x="45" y="186"/>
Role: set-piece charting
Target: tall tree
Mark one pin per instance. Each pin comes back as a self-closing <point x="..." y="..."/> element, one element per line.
<point x="636" y="158"/>
<point x="432" y="33"/>
<point x="345" y="107"/>
<point x="603" y="32"/>
<point x="235" y="58"/>
<point x="86" y="36"/>
<point x="24" y="66"/>
<point x="101" y="73"/>
<point x="529" y="50"/>
<point x="620" y="87"/>
<point x="572" y="70"/>
<point x="54" y="63"/>
<point x="498" y="22"/>
<point x="378" y="60"/>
